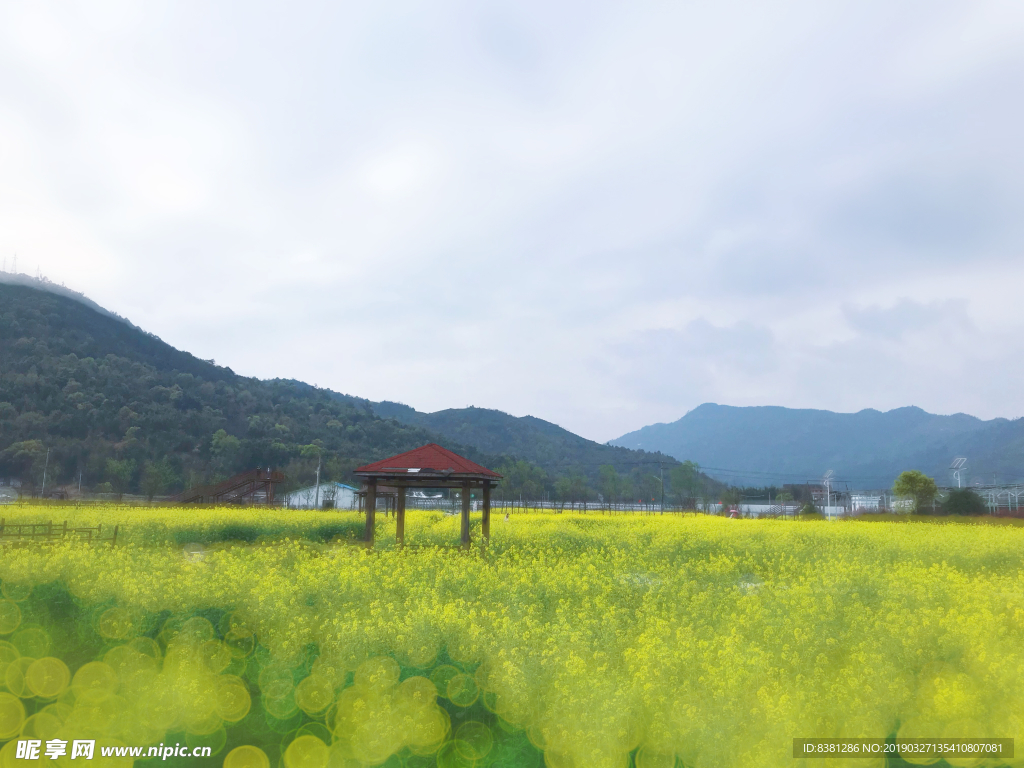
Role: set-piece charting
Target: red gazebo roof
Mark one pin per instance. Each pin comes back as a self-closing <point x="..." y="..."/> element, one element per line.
<point x="430" y="458"/>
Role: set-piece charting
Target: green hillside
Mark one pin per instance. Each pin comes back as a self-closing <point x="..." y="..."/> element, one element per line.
<point x="117" y="405"/>
<point x="528" y="438"/>
<point x="125" y="412"/>
<point x="618" y="474"/>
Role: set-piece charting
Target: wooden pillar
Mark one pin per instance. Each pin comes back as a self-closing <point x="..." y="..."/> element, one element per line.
<point x="371" y="509"/>
<point x="465" y="514"/>
<point x="400" y="516"/>
<point x="486" y="525"/>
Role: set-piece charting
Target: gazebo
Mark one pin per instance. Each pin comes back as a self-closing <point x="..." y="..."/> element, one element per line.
<point x="429" y="466"/>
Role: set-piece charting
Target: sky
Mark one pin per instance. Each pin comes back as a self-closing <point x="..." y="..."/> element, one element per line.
<point x="600" y="214"/>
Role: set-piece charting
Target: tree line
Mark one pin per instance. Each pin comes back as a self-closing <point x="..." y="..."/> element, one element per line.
<point x="682" y="486"/>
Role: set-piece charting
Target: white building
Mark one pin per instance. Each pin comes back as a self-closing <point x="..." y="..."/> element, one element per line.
<point x="862" y="502"/>
<point x="332" y="496"/>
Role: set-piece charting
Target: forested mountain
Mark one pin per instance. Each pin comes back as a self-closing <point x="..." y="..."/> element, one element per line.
<point x="123" y="411"/>
<point x="577" y="469"/>
<point x="118" y="406"/>
<point x="760" y="445"/>
<point x="528" y="438"/>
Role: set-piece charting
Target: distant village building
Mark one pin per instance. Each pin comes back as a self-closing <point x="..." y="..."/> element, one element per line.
<point x="332" y="496"/>
<point x="863" y="502"/>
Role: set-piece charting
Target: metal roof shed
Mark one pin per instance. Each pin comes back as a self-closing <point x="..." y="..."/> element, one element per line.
<point x="429" y="466"/>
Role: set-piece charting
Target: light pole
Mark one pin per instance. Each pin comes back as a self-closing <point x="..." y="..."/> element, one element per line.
<point x="957" y="466"/>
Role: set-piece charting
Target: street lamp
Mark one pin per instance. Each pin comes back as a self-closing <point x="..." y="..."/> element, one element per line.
<point x="957" y="466"/>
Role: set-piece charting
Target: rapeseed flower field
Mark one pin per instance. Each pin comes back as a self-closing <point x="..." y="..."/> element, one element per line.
<point x="571" y="641"/>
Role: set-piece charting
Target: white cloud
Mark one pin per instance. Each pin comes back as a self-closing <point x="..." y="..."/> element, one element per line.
<point x="600" y="214"/>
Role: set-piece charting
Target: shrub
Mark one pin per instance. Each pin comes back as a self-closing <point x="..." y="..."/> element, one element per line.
<point x="964" y="501"/>
<point x="810" y="512"/>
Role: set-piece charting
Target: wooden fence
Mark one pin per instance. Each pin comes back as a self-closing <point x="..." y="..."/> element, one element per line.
<point x="50" y="531"/>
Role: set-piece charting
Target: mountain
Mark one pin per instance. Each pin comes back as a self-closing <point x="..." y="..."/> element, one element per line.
<point x="868" y="449"/>
<point x="527" y="438"/>
<point x="87" y="396"/>
<point x="115" y="405"/>
<point x="43" y="284"/>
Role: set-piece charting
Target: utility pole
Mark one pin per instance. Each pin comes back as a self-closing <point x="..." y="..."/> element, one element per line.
<point x="46" y="466"/>
<point x="827" y="479"/>
<point x="319" y="459"/>
<point x="661" y="470"/>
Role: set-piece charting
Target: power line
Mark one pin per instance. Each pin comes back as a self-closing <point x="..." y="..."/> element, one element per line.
<point x="793" y="477"/>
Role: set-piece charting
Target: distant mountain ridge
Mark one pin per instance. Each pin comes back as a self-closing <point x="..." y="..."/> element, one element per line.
<point x="761" y="445"/>
<point x="524" y="437"/>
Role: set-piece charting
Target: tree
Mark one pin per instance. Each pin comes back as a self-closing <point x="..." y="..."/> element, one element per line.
<point x="563" y="491"/>
<point x="24" y="460"/>
<point x="685" y="481"/>
<point x="609" y="484"/>
<point x="312" y="451"/>
<point x="627" y="489"/>
<point x="648" y="487"/>
<point x="579" y="491"/>
<point x="731" y="497"/>
<point x="521" y="481"/>
<point x="917" y="487"/>
<point x="157" y="477"/>
<point x="808" y="510"/>
<point x="119" y="473"/>
<point x="224" y="448"/>
<point x="572" y="489"/>
<point x="964" y="501"/>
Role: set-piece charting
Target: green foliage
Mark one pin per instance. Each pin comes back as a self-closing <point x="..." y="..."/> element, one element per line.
<point x="522" y="480"/>
<point x="686" y="481"/>
<point x="609" y="484"/>
<point x="647" y="487"/>
<point x="24" y="459"/>
<point x="731" y="497"/>
<point x="527" y="438"/>
<point x="157" y="478"/>
<point x="312" y="451"/>
<point x="964" y="501"/>
<point x="94" y="388"/>
<point x="572" y="489"/>
<point x="224" y="445"/>
<point x="917" y="487"/>
<point x="810" y="512"/>
<point x="120" y="473"/>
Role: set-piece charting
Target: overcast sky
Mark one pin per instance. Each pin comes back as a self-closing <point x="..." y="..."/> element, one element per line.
<point x="601" y="214"/>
